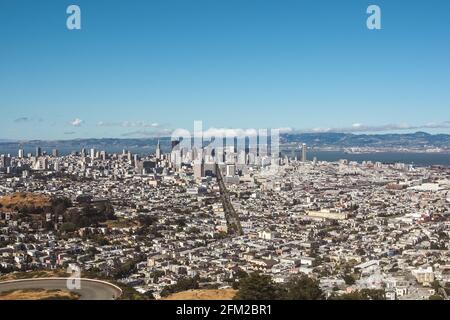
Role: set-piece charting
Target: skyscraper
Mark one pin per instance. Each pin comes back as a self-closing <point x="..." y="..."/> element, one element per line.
<point x="158" y="151"/>
<point x="20" y="153"/>
<point x="38" y="151"/>
<point x="199" y="169"/>
<point x="298" y="153"/>
<point x="304" y="152"/>
<point x="5" y="161"/>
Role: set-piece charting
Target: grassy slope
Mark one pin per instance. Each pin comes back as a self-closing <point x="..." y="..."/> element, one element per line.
<point x="225" y="294"/>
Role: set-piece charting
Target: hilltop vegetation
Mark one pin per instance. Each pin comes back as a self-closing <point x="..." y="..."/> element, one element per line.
<point x="46" y="212"/>
<point x="33" y="274"/>
<point x="39" y="294"/>
<point x="261" y="287"/>
<point x="20" y="201"/>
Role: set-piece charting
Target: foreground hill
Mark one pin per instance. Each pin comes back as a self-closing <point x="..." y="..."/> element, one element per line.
<point x="22" y="200"/>
<point x="39" y="294"/>
<point x="224" y="294"/>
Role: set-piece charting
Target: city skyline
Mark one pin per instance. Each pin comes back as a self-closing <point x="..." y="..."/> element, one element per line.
<point x="145" y="69"/>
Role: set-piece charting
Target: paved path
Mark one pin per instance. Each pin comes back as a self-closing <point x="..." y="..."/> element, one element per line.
<point x="90" y="289"/>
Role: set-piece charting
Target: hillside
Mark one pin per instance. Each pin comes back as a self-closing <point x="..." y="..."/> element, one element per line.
<point x="224" y="294"/>
<point x="39" y="294"/>
<point x="17" y="201"/>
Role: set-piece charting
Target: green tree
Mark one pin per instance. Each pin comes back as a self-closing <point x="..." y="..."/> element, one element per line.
<point x="257" y="287"/>
<point x="68" y="227"/>
<point x="349" y="280"/>
<point x="302" y="288"/>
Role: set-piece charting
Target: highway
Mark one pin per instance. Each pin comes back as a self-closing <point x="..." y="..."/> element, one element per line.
<point x="89" y="289"/>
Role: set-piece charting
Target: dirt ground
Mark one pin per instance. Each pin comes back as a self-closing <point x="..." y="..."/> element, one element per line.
<point x="225" y="294"/>
<point x="38" y="294"/>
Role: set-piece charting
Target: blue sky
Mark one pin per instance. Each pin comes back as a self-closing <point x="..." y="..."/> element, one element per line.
<point x="141" y="68"/>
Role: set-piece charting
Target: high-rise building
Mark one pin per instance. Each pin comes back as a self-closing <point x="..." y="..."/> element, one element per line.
<point x="20" y="153"/>
<point x="41" y="164"/>
<point x="145" y="166"/>
<point x="199" y="169"/>
<point x="38" y="151"/>
<point x="55" y="153"/>
<point x="158" y="151"/>
<point x="5" y="161"/>
<point x="304" y="152"/>
<point x="298" y="153"/>
<point x="92" y="153"/>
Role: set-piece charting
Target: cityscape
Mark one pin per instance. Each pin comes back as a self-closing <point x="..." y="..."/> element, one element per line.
<point x="150" y="222"/>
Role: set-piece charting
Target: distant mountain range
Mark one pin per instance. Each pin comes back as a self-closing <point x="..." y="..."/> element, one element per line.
<point x="417" y="140"/>
<point x="336" y="141"/>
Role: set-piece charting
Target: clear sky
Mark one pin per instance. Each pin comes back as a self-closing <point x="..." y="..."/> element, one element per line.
<point x="140" y="68"/>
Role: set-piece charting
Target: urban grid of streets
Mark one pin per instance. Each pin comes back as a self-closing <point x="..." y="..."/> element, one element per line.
<point x="385" y="225"/>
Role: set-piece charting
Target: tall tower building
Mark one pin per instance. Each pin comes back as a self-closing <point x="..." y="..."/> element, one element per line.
<point x="199" y="169"/>
<point x="38" y="151"/>
<point x="55" y="153"/>
<point x="5" y="161"/>
<point x="20" y="153"/>
<point x="298" y="153"/>
<point x="158" y="151"/>
<point x="304" y="152"/>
